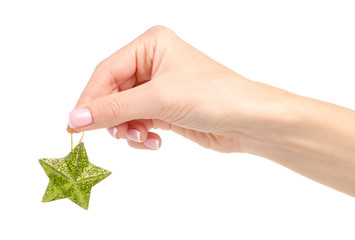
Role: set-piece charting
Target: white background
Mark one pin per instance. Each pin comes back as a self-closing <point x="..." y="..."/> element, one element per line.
<point x="48" y="50"/>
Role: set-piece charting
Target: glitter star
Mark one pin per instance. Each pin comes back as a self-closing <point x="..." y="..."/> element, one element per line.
<point x="72" y="177"/>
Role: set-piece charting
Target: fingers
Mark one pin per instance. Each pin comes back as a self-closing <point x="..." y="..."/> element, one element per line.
<point x="118" y="131"/>
<point x="112" y="110"/>
<point x="131" y="65"/>
<point x="114" y="71"/>
<point x="153" y="142"/>
<point x="133" y="130"/>
<point x="128" y="67"/>
<point x="105" y="101"/>
<point x="137" y="135"/>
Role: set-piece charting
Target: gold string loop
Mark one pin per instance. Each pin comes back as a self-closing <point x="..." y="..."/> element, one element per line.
<point x="71" y="139"/>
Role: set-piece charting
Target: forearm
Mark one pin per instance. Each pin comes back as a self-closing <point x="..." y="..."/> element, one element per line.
<point x="313" y="138"/>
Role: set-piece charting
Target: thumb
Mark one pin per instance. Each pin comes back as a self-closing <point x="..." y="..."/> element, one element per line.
<point x="111" y="110"/>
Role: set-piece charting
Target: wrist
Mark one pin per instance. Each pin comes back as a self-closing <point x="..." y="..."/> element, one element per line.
<point x="271" y="116"/>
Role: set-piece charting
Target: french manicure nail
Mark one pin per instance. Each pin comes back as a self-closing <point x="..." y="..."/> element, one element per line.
<point x="113" y="132"/>
<point x="134" y="135"/>
<point x="80" y="117"/>
<point x="152" y="143"/>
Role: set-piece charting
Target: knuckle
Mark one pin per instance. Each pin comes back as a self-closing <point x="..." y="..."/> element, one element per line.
<point x="157" y="36"/>
<point x="100" y="66"/>
<point x="104" y="70"/>
<point x="159" y="31"/>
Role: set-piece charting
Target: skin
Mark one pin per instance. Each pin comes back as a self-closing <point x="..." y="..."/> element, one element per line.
<point x="160" y="81"/>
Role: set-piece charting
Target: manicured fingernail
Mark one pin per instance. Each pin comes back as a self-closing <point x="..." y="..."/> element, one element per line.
<point x="113" y="131"/>
<point x="79" y="118"/>
<point x="152" y="143"/>
<point x="134" y="135"/>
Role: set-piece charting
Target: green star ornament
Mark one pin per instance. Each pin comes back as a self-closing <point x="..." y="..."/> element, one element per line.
<point x="72" y="177"/>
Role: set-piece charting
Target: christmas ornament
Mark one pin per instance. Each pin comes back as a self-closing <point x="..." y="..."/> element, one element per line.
<point x="72" y="177"/>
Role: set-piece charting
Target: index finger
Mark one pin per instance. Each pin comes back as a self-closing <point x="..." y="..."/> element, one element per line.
<point x="109" y="75"/>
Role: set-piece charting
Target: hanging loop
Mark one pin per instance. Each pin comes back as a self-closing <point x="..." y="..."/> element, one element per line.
<point x="71" y="139"/>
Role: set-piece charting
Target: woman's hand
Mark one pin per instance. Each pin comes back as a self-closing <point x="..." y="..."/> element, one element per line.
<point x="160" y="81"/>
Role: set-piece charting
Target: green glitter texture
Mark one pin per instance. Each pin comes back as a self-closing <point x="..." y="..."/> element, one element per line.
<point x="72" y="177"/>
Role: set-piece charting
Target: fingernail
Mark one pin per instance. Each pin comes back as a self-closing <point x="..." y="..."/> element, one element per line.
<point x="113" y="131"/>
<point x="79" y="118"/>
<point x="134" y="135"/>
<point x="152" y="143"/>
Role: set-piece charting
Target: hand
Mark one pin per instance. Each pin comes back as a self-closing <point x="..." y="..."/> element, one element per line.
<point x="160" y="81"/>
